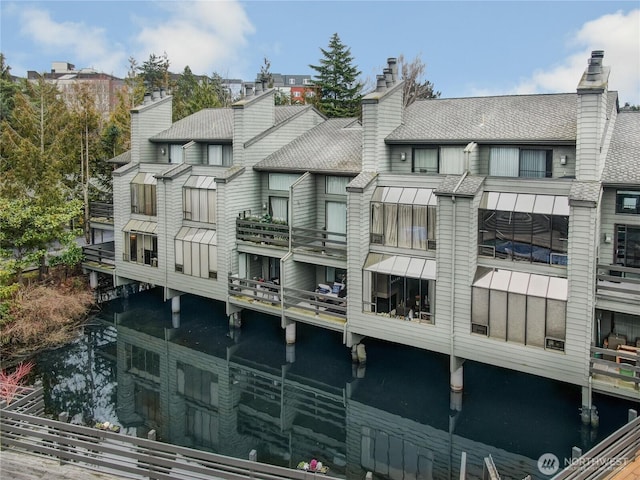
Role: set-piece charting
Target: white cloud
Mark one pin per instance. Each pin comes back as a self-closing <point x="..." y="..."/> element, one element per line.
<point x="207" y="36"/>
<point x="618" y="34"/>
<point x="86" y="46"/>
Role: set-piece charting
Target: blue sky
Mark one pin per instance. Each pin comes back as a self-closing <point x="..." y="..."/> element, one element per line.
<point x="469" y="47"/>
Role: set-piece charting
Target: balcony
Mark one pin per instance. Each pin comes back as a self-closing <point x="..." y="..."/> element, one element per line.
<point x="319" y="241"/>
<point x="314" y="306"/>
<point x="618" y="283"/>
<point x="100" y="212"/>
<point x="255" y="291"/>
<point x="101" y="254"/>
<point x="616" y="371"/>
<point x="261" y="232"/>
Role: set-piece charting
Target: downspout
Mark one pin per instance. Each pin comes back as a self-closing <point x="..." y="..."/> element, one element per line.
<point x="166" y="257"/>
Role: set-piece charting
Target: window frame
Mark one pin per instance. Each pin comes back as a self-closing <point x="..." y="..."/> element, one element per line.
<point x="426" y="171"/>
<point x="621" y="195"/>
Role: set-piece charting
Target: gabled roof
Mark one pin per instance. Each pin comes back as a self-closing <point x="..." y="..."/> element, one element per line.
<point x="214" y="124"/>
<point x="622" y="165"/>
<point x="206" y="125"/>
<point x="514" y="118"/>
<point x="334" y="146"/>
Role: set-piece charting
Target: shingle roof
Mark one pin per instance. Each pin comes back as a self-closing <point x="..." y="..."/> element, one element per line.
<point x="362" y="180"/>
<point x="207" y="124"/>
<point x="507" y="118"/>
<point x="585" y="192"/>
<point x="335" y="145"/>
<point x="284" y="112"/>
<point x="622" y="165"/>
<point x="121" y="159"/>
<point x="452" y="185"/>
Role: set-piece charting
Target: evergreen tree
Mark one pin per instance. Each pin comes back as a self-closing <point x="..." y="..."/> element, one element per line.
<point x="339" y="91"/>
<point x="8" y="89"/>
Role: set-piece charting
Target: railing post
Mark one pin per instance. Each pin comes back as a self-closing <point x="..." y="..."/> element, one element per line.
<point x="62" y="447"/>
<point x="633" y="414"/>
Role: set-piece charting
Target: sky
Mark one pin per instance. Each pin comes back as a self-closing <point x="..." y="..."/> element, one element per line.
<point x="470" y="48"/>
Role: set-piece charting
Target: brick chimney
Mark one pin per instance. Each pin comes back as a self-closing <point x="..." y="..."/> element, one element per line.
<point x="593" y="118"/>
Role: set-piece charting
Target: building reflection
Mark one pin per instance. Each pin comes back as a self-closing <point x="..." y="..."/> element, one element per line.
<point x="232" y="390"/>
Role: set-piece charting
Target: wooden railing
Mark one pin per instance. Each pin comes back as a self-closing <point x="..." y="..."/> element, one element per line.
<point x="618" y="280"/>
<point x="25" y="400"/>
<point x="616" y="364"/>
<point x="267" y="292"/>
<point x="262" y="232"/>
<point x="315" y="303"/>
<point x="101" y="210"/>
<point x="319" y="240"/>
<point x="614" y="452"/>
<point x="103" y="253"/>
<point x="116" y="453"/>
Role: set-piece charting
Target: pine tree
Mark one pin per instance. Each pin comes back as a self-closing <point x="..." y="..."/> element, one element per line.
<point x="339" y="91"/>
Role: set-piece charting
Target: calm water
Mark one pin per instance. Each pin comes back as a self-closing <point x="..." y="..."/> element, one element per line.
<point x="203" y="385"/>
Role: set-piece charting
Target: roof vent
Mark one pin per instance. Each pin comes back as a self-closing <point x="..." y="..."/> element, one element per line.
<point x="388" y="75"/>
<point x="258" y="87"/>
<point x="147" y="99"/>
<point x="248" y="89"/>
<point x="595" y="64"/>
<point x="381" y="83"/>
<point x="393" y="65"/>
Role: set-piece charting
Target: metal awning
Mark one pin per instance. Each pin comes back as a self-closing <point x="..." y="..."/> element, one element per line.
<point x="198" y="235"/>
<point x="531" y="284"/>
<point x="145" y="178"/>
<point x="405" y="195"/>
<point x="526" y="203"/>
<point x="201" y="181"/>
<point x="401" y="266"/>
<point x="141" y="226"/>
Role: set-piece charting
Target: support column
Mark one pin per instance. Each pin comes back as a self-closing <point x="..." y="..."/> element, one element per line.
<point x="235" y="319"/>
<point x="457" y="373"/>
<point x="290" y="353"/>
<point x="589" y="412"/>
<point x="175" y="304"/>
<point x="290" y="333"/>
<point x="93" y="280"/>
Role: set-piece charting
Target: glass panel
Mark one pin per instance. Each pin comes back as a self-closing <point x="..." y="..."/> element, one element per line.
<point x="556" y="319"/>
<point x="536" y="312"/>
<point x="544" y="204"/>
<point x="425" y="160"/>
<point x="336" y="185"/>
<point x="179" y="253"/>
<point x="336" y="213"/>
<point x="214" y="153"/>
<point x="405" y="225"/>
<point x="401" y="265"/>
<point x="538" y="286"/>
<point x="423" y="196"/>
<point x="500" y="280"/>
<point x="408" y="195"/>
<point x="498" y="314"/>
<point x="393" y="195"/>
<point x="504" y="162"/>
<point x="281" y="181"/>
<point x="452" y="160"/>
<point x="414" y="270"/>
<point x="175" y="153"/>
<point x="533" y="163"/>
<point x="628" y="201"/>
<point x="507" y="202"/>
<point x="419" y="240"/>
<point x="519" y="282"/>
<point x="525" y="203"/>
<point x="376" y="222"/>
<point x="211" y="206"/>
<point x="561" y="206"/>
<point x="516" y="318"/>
<point x="278" y="208"/>
<point x="204" y="260"/>
<point x="489" y="200"/>
<point x="429" y="271"/>
<point x="390" y="224"/>
<point x="227" y="155"/>
<point x="378" y="194"/>
<point x="480" y="306"/>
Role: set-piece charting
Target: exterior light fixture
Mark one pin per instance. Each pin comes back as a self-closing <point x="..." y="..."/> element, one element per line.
<point x="403" y="156"/>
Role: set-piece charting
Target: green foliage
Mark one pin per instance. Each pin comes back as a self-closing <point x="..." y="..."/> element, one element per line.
<point x="340" y="91"/>
<point x="28" y="228"/>
<point x="193" y="93"/>
<point x="265" y="73"/>
<point x="70" y="258"/>
<point x="155" y="72"/>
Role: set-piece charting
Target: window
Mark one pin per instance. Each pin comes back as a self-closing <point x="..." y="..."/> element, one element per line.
<point x="520" y="307"/>
<point x="221" y="155"/>
<point x="403" y="217"/>
<point x="196" y="384"/>
<point x="336" y="221"/>
<point x="199" y="199"/>
<point x="628" y="246"/>
<point x="628" y="201"/>
<point x="306" y="81"/>
<point x="524" y="227"/>
<point x="292" y="81"/>
<point x="147" y="403"/>
<point x="297" y="94"/>
<point x="196" y="252"/>
<point x="142" y="362"/>
<point x="386" y="454"/>
<point x="141" y="248"/>
<point x="279" y="208"/>
<point x="176" y="153"/>
<point x="425" y="160"/>
<point x="336" y="185"/>
<point x="282" y="181"/>
<point x="143" y="194"/>
<point x="517" y="162"/>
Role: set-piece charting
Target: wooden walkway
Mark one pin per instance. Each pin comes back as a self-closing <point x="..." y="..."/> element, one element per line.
<point x="630" y="471"/>
<point x="23" y="466"/>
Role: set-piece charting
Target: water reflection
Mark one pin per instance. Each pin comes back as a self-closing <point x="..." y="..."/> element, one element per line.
<point x="202" y="384"/>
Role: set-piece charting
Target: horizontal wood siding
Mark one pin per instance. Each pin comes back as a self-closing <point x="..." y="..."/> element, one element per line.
<point x="299" y="275"/>
<point x="147" y="121"/>
<point x="379" y="119"/>
<point x="590" y="124"/>
<point x="303" y="202"/>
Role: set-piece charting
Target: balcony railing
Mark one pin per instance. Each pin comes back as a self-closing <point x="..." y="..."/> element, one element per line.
<point x="319" y="240"/>
<point x="101" y="211"/>
<point x="102" y="253"/>
<point x="617" y="367"/>
<point x="255" y="290"/>
<point x="265" y="233"/>
<point x="313" y="303"/>
<point x="619" y="281"/>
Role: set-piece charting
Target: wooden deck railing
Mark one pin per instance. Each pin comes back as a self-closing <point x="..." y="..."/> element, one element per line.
<point x="619" y="281"/>
<point x="601" y="461"/>
<point x="616" y="364"/>
<point x="103" y="253"/>
<point x="267" y="292"/>
<point x="266" y="233"/>
<point x="315" y="303"/>
<point x="117" y="453"/>
<point x="319" y="240"/>
<point x="101" y="210"/>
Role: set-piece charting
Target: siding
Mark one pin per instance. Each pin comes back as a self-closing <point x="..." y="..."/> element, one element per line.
<point x="379" y="118"/>
<point x="303" y="202"/>
<point x="147" y="121"/>
<point x="592" y="108"/>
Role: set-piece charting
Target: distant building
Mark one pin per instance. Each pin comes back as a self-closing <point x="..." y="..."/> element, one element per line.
<point x="296" y="87"/>
<point x="66" y="77"/>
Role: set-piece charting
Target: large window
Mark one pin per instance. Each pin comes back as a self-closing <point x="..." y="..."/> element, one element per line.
<point x="520" y="162"/>
<point x="520" y="307"/>
<point x="220" y="155"/>
<point x="524" y="227"/>
<point x="143" y="194"/>
<point x="282" y="181"/>
<point x="628" y="246"/>
<point x="141" y="248"/>
<point x="399" y="286"/>
<point x="279" y="208"/>
<point x="336" y="185"/>
<point x="403" y="217"/>
<point x="628" y="201"/>
<point x="176" y="154"/>
<point x="445" y="160"/>
<point x="199" y="199"/>
<point x="198" y="385"/>
<point x="196" y="252"/>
